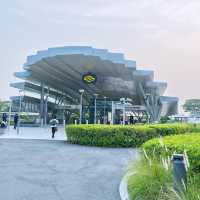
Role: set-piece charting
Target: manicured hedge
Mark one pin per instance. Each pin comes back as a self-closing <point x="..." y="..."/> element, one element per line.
<point x="122" y="136"/>
<point x="189" y="143"/>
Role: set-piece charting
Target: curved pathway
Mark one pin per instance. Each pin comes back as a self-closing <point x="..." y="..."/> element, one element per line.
<point x="55" y="170"/>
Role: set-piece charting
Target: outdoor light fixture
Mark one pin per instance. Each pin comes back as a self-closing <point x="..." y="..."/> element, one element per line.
<point x="129" y="100"/>
<point x="81" y="91"/>
<point x="122" y="99"/>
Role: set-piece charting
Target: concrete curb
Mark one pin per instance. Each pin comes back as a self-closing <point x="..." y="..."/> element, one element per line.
<point x="123" y="187"/>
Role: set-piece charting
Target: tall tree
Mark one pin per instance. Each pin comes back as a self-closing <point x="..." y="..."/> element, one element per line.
<point x="4" y="106"/>
<point x="192" y="106"/>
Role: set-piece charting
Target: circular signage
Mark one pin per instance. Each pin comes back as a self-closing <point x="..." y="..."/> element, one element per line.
<point x="89" y="78"/>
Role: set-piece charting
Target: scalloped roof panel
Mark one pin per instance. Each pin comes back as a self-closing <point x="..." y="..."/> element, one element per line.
<point x="104" y="54"/>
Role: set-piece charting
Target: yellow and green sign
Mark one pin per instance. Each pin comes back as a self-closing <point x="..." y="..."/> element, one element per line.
<point x="89" y="78"/>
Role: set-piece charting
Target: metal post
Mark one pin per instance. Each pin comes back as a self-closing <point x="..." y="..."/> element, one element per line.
<point x="9" y="119"/>
<point x="46" y="110"/>
<point x="112" y="117"/>
<point x="104" y="111"/>
<point x="19" y="112"/>
<point x="81" y="105"/>
<point x="95" y="108"/>
<point x="64" y="123"/>
<point x="42" y="104"/>
<point x="179" y="172"/>
<point x="124" y="112"/>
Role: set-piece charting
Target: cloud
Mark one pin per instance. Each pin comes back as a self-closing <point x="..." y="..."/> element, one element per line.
<point x="164" y="33"/>
<point x="154" y="15"/>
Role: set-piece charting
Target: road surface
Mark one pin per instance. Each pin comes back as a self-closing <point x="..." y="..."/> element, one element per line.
<point x="56" y="170"/>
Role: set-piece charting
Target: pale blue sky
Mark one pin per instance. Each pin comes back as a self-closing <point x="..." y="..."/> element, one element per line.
<point x="160" y="35"/>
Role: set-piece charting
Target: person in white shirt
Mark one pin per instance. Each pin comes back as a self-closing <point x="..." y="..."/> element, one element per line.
<point x="54" y="127"/>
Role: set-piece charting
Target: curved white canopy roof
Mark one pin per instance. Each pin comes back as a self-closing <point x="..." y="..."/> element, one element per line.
<point x="62" y="68"/>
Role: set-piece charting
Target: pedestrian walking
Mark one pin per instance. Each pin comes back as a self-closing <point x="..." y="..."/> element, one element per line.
<point x="54" y="127"/>
<point x="3" y="126"/>
<point x="16" y="118"/>
<point x="4" y="117"/>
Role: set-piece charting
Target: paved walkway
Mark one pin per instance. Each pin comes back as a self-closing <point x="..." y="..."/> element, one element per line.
<point x="33" y="133"/>
<point x="55" y="170"/>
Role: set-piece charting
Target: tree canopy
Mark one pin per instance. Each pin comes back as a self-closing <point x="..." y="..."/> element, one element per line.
<point x="4" y="106"/>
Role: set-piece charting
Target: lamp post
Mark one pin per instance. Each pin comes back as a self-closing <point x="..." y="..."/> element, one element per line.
<point x="42" y="105"/>
<point x="104" y="111"/>
<point x="19" y="111"/>
<point x="95" y="108"/>
<point x="10" y="112"/>
<point x="81" y="91"/>
<point x="46" y="108"/>
<point x="113" y="110"/>
<point x="123" y="100"/>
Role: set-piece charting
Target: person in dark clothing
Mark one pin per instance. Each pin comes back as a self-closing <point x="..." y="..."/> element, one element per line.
<point x="3" y="124"/>
<point x="54" y="128"/>
<point x="4" y="117"/>
<point x="16" y="118"/>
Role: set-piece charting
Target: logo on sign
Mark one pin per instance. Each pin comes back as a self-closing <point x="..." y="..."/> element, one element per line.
<point x="89" y="78"/>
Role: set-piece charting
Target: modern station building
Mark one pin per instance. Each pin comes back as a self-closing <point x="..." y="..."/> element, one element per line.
<point x="89" y="85"/>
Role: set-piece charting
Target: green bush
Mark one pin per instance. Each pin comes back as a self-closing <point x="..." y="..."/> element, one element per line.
<point x="123" y="136"/>
<point x="164" y="120"/>
<point x="189" y="143"/>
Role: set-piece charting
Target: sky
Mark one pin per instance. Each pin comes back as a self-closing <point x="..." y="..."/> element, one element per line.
<point x="160" y="35"/>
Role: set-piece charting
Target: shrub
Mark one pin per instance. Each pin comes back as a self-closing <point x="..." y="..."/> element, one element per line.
<point x="122" y="136"/>
<point x="151" y="179"/>
<point x="164" y="120"/>
<point x="189" y="143"/>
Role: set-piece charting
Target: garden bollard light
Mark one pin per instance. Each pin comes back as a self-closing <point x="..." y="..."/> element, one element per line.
<point x="179" y="172"/>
